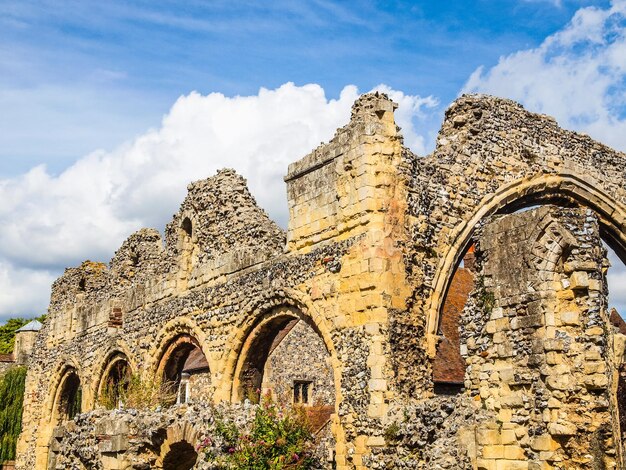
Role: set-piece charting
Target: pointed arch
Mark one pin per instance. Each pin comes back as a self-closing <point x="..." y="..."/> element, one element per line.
<point x="275" y="309"/>
<point x="559" y="188"/>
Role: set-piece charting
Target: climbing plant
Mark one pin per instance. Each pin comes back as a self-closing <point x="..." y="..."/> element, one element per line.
<point x="11" y="398"/>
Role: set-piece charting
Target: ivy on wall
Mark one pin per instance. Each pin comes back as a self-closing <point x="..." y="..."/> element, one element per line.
<point x="11" y="398"/>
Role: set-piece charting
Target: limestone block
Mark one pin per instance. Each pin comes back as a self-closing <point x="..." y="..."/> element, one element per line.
<point x="579" y="280"/>
<point x="514" y="452"/>
<point x="484" y="464"/>
<point x="488" y="436"/>
<point x="570" y="318"/>
<point x="544" y="442"/>
<point x="493" y="451"/>
<point x="512" y="465"/>
<point x="559" y="382"/>
<point x="509" y="437"/>
<point x="562" y="429"/>
<point x="596" y="381"/>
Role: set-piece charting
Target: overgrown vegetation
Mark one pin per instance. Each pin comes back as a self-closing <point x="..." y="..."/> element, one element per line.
<point x="11" y="398"/>
<point x="7" y="332"/>
<point x="392" y="432"/>
<point x="278" y="438"/>
<point x="138" y="393"/>
<point x="486" y="299"/>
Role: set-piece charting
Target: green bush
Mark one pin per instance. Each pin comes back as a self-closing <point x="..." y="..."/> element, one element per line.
<point x="278" y="438"/>
<point x="11" y="398"/>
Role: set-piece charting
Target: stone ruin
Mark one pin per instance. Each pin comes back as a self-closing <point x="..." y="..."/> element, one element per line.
<point x="445" y="312"/>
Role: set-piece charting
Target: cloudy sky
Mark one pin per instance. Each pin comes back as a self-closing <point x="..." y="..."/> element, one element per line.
<point x="108" y="109"/>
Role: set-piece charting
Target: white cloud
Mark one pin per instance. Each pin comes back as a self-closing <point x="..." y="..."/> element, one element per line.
<point x="617" y="283"/>
<point x="85" y="212"/>
<point x="577" y="75"/>
<point x="23" y="291"/>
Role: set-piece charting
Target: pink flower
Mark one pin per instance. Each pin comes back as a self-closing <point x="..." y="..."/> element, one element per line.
<point x="295" y="457"/>
<point x="231" y="450"/>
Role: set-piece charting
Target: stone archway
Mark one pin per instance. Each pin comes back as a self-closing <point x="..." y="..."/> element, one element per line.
<point x="68" y="397"/>
<point x="66" y="402"/>
<point x="178" y="450"/>
<point x="114" y="380"/>
<point x="285" y="355"/>
<point x="563" y="189"/>
<point x="181" y="456"/>
<point x="184" y="369"/>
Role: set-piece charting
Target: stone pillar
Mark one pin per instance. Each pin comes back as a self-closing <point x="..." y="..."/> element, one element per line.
<point x="353" y="190"/>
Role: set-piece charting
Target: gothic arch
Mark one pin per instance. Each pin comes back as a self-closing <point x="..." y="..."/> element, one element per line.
<point x="543" y="189"/>
<point x="116" y="362"/>
<point x="274" y="308"/>
<point x="67" y="365"/>
<point x="179" y="326"/>
<point x="112" y="352"/>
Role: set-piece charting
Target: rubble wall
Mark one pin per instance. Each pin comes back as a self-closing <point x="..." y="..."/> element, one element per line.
<point x="374" y="237"/>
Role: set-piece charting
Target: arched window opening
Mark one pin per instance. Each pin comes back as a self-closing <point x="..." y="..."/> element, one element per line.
<point x="115" y="383"/>
<point x="181" y="456"/>
<point x="449" y="364"/>
<point x="186" y="370"/>
<point x="286" y="357"/>
<point x="70" y="397"/>
<point x="81" y="284"/>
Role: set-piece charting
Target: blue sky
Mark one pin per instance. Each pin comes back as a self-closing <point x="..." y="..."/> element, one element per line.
<point x="92" y="74"/>
<point x="110" y="108"/>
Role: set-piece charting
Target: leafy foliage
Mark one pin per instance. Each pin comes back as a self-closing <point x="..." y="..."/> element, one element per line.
<point x="7" y="332"/>
<point x="279" y="438"/>
<point x="11" y="398"/>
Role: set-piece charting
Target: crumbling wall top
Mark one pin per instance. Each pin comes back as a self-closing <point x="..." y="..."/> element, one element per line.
<point x="140" y="256"/>
<point x="371" y="113"/>
<point x="90" y="278"/>
<point x="220" y="215"/>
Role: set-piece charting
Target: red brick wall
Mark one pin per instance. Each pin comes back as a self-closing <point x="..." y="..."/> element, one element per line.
<point x="449" y="366"/>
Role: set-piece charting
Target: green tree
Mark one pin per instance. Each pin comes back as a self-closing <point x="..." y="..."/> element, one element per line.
<point x="7" y="332"/>
<point x="11" y="397"/>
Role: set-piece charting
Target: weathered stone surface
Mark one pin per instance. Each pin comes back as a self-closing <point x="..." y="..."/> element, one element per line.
<point x="350" y="299"/>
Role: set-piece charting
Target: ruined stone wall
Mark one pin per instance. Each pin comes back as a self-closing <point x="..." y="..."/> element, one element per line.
<point x="6" y="362"/>
<point x="223" y="274"/>
<point x="374" y="237"/>
<point x="537" y="340"/>
<point x="492" y="156"/>
<point x="313" y="365"/>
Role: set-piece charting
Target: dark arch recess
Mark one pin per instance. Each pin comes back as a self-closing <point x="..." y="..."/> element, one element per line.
<point x="70" y="396"/>
<point x="183" y="351"/>
<point x="182" y="456"/>
<point x="115" y="379"/>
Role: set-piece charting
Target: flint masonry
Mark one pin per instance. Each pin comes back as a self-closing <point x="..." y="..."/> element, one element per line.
<point x="363" y="310"/>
